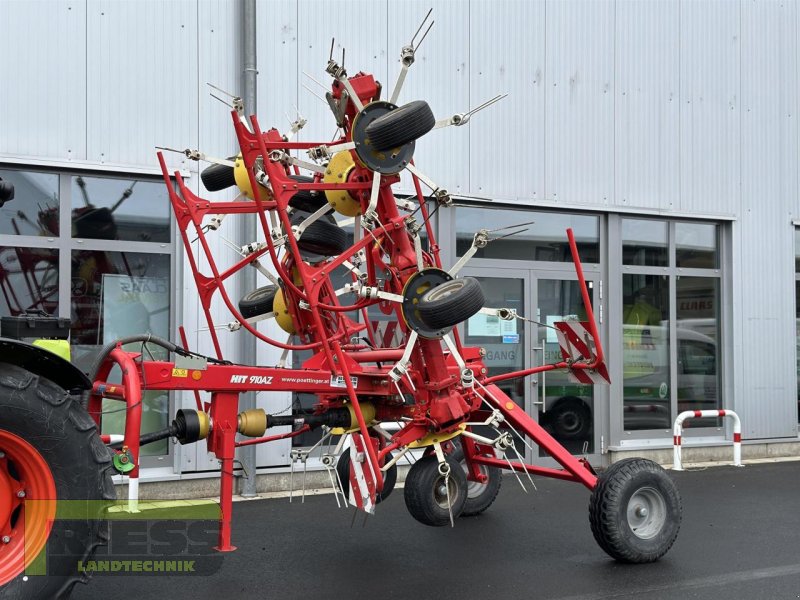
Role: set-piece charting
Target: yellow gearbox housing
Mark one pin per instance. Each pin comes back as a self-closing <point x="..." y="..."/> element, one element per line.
<point x="339" y="169"/>
<point x="282" y="316"/>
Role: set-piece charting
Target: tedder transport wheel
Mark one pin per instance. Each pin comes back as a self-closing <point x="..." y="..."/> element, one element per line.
<point x="50" y="450"/>
<point x="426" y="495"/>
<point x="480" y="496"/>
<point x="635" y="511"/>
<point x="258" y="302"/>
<point x="451" y="302"/>
<point x="400" y="126"/>
<point x="389" y="476"/>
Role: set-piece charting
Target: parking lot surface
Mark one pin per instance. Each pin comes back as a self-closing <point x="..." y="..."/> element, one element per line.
<point x="740" y="538"/>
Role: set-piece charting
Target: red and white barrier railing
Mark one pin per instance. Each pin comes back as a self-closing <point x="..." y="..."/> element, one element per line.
<point x="689" y="414"/>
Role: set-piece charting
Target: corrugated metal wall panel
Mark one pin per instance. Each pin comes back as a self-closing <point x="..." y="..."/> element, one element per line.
<point x="506" y="141"/>
<point x="647" y="123"/>
<point x="710" y="112"/>
<point x="769" y="191"/>
<point x="359" y="26"/>
<point x="43" y="74"/>
<point x="579" y="104"/>
<point x="440" y="76"/>
<point x="141" y="77"/>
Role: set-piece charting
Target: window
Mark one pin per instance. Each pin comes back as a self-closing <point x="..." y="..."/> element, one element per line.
<point x="671" y="322"/>
<point x="96" y="249"/>
<point x="540" y="234"/>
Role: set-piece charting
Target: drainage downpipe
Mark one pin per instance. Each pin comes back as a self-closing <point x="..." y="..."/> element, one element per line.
<point x="248" y="229"/>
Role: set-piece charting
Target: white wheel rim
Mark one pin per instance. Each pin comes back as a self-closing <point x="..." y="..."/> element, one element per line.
<point x="646" y="513"/>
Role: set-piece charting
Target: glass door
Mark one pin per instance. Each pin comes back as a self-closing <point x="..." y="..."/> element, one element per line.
<point x="564" y="408"/>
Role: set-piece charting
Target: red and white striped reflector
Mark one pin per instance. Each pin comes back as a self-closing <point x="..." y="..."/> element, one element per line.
<point x="577" y="344"/>
<point x="362" y="478"/>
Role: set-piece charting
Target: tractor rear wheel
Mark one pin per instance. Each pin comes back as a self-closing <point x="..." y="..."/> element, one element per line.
<point x="51" y="455"/>
<point x="635" y="511"/>
<point x="431" y="497"/>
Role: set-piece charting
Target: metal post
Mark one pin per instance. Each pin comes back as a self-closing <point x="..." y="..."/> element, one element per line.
<point x="248" y="230"/>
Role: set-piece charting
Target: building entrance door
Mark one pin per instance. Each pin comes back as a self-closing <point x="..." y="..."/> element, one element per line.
<point x="567" y="410"/>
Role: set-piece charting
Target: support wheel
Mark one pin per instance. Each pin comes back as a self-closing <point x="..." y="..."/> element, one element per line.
<point x="321" y="237"/>
<point x="50" y="451"/>
<point x="427" y="496"/>
<point x="401" y="125"/>
<point x="389" y="476"/>
<point x="218" y="177"/>
<point x="307" y="200"/>
<point x="635" y="511"/>
<point x="451" y="302"/>
<point x="480" y="496"/>
<point x="258" y="302"/>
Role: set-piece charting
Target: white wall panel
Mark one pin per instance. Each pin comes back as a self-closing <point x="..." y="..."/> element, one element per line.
<point x="141" y="77"/>
<point x="506" y="141"/>
<point x="710" y="111"/>
<point x="579" y="103"/>
<point x="359" y="26"/>
<point x="441" y="77"/>
<point x="647" y="126"/>
<point x="769" y="192"/>
<point x="43" y="103"/>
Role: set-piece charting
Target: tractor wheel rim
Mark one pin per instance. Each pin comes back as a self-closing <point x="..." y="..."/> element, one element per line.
<point x="27" y="505"/>
<point x="647" y="513"/>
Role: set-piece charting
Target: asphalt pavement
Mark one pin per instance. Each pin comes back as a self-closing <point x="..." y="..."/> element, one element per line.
<point x="740" y="538"/>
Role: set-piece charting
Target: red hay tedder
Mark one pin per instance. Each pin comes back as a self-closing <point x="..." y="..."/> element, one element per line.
<point x="435" y="392"/>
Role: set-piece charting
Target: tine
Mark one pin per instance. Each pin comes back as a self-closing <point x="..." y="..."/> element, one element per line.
<point x="421" y="25"/>
<point x="333" y="485"/>
<point x="305" y="465"/>
<point x="333" y="40"/>
<point x="424" y="35"/>
<point x="515" y="473"/>
<point x="511" y="226"/>
<point x="355" y="512"/>
<point x="522" y="461"/>
<point x="225" y="102"/>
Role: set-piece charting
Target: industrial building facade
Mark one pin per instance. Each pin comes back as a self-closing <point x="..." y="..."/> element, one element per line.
<point x="663" y="132"/>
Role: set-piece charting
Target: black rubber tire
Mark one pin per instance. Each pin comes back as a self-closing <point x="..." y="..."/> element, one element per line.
<point x="258" y="302"/>
<point x="389" y="476"/>
<point x="421" y="486"/>
<point x="402" y="125"/>
<point x="60" y="429"/>
<point x="451" y="302"/>
<point x="324" y="238"/>
<point x="218" y="177"/>
<point x="570" y="419"/>
<point x="610" y="505"/>
<point x="480" y="496"/>
<point x="307" y="200"/>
